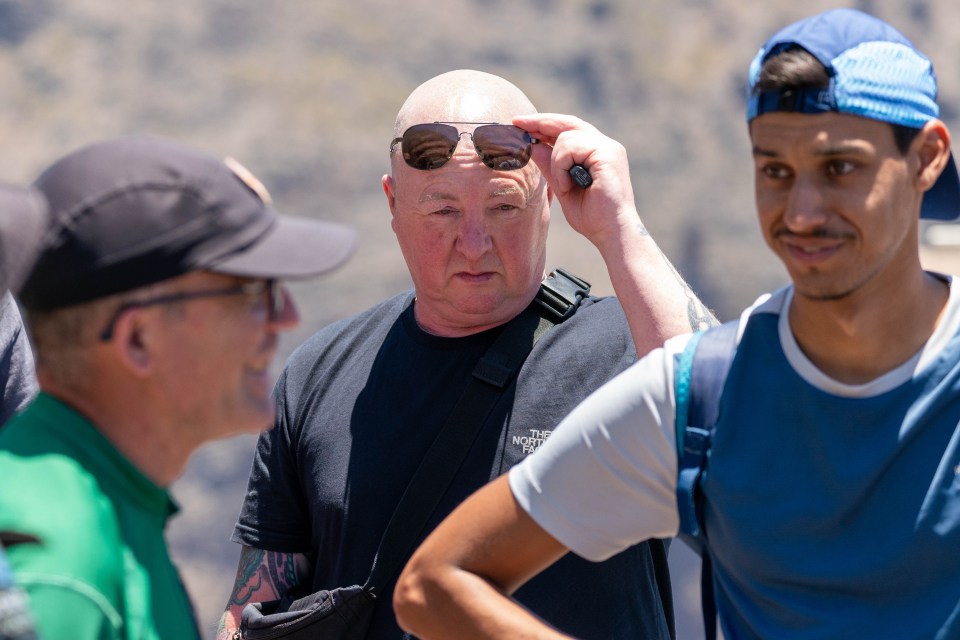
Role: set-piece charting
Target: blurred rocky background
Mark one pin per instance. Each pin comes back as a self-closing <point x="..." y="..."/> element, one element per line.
<point x="304" y="93"/>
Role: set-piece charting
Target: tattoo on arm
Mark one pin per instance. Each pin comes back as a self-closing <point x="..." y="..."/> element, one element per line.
<point x="259" y="569"/>
<point x="698" y="315"/>
<point x="262" y="575"/>
<point x="282" y="571"/>
<point x="249" y="578"/>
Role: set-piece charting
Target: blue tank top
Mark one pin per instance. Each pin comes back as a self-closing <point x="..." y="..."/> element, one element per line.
<point x="829" y="516"/>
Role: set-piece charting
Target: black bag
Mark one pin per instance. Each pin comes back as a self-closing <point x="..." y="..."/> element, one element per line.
<point x="345" y="613"/>
<point x="341" y="614"/>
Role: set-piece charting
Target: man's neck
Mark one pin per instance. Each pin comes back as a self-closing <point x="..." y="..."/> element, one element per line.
<point x="458" y="324"/>
<point x="132" y="429"/>
<point x="858" y="338"/>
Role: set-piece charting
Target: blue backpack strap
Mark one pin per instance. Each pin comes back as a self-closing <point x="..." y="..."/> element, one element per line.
<point x="701" y="371"/>
<point x="689" y="449"/>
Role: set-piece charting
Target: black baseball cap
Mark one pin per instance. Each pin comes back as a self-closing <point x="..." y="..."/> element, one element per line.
<point x="23" y="219"/>
<point x="133" y="211"/>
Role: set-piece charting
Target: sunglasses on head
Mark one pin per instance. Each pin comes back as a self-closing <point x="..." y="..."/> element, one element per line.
<point x="502" y="147"/>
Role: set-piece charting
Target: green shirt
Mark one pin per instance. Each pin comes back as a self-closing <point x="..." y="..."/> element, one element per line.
<point x="101" y="569"/>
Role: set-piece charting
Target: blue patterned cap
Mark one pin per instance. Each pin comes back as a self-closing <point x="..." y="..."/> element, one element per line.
<point x="875" y="72"/>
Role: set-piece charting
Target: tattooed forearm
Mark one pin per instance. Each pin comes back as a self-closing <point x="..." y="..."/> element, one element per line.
<point x="259" y="569"/>
<point x="698" y="315"/>
<point x="262" y="575"/>
<point x="282" y="571"/>
<point x="249" y="578"/>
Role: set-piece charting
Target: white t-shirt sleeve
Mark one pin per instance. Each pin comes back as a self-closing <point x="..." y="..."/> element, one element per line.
<point x="606" y="477"/>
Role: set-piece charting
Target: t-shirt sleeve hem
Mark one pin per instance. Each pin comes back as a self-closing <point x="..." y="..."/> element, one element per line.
<point x="256" y="539"/>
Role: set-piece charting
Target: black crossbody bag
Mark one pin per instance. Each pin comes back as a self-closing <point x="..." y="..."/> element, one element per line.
<point x="345" y="613"/>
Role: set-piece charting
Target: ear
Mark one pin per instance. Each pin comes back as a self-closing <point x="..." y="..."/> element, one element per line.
<point x="390" y="190"/>
<point x="133" y="342"/>
<point x="933" y="148"/>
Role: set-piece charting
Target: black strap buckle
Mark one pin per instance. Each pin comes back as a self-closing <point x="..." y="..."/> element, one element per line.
<point x="561" y="293"/>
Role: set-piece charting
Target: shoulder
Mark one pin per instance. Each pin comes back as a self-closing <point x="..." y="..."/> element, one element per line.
<point x="602" y="308"/>
<point x="768" y="304"/>
<point x="604" y="311"/>
<point x="349" y="333"/>
<point x="60" y="502"/>
<point x="585" y="350"/>
<point x="773" y="303"/>
<point x="58" y="496"/>
<point x="601" y="321"/>
<point x="339" y="352"/>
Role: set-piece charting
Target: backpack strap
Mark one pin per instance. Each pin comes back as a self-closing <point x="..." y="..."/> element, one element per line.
<point x="560" y="294"/>
<point x="701" y="371"/>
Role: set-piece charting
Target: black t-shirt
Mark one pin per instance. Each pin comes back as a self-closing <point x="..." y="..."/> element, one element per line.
<point x="358" y="406"/>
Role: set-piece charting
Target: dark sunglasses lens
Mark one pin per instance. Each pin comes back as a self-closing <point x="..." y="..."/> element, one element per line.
<point x="503" y="147"/>
<point x="429" y="146"/>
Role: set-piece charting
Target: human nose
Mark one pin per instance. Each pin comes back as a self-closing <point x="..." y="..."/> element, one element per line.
<point x="804" y="208"/>
<point x="473" y="238"/>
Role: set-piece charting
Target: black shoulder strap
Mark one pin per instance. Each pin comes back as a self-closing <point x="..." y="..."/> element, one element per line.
<point x="701" y="373"/>
<point x="491" y="376"/>
<point x="561" y="293"/>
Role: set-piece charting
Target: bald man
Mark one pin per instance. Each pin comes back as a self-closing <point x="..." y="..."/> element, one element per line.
<point x="362" y="400"/>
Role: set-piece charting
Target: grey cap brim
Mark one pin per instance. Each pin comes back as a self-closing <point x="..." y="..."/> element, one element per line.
<point x="24" y="216"/>
<point x="292" y="248"/>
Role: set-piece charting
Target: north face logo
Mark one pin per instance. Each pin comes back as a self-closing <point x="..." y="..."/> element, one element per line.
<point x="529" y="444"/>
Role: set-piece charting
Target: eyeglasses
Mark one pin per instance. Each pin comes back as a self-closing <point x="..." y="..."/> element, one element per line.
<point x="271" y="289"/>
<point x="502" y="147"/>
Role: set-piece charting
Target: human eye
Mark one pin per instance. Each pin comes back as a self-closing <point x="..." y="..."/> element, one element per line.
<point x="504" y="210"/>
<point x="773" y="171"/>
<point x="839" y="167"/>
